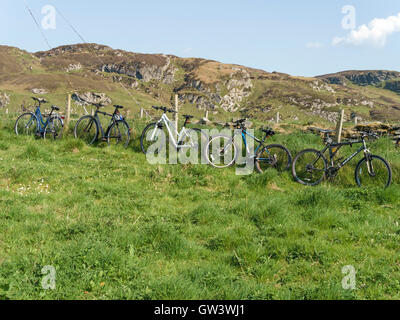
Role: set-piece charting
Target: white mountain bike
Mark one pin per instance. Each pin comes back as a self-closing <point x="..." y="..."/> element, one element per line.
<point x="184" y="141"/>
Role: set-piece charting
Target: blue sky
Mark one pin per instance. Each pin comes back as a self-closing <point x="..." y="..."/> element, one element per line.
<point x="290" y="36"/>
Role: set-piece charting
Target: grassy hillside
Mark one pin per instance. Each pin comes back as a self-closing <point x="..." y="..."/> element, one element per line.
<point x="115" y="227"/>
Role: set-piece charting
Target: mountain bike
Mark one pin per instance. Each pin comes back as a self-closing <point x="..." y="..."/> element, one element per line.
<point x="223" y="152"/>
<point x="88" y="128"/>
<point x="310" y="167"/>
<point x="33" y="123"/>
<point x="184" y="141"/>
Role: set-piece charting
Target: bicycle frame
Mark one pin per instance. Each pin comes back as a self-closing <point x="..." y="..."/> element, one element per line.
<point x="41" y="125"/>
<point x="97" y="118"/>
<point x="172" y="131"/>
<point x="337" y="146"/>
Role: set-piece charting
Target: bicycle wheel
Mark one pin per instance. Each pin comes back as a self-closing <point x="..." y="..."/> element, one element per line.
<point x="87" y="129"/>
<point x="153" y="136"/>
<point x="309" y="167"/>
<point x="192" y="144"/>
<point x="221" y="152"/>
<point x="26" y="124"/>
<point x="380" y="174"/>
<point x="54" y="129"/>
<point x="119" y="134"/>
<point x="273" y="156"/>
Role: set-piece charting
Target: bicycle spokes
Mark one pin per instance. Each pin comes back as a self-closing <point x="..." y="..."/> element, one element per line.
<point x="373" y="172"/>
<point x="309" y="168"/>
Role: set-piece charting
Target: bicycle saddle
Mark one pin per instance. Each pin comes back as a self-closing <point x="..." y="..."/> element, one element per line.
<point x="40" y="100"/>
<point x="118" y="107"/>
<point x="55" y="108"/>
<point x="268" y="132"/>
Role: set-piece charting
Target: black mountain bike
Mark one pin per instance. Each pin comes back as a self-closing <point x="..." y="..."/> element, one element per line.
<point x="89" y="127"/>
<point x="310" y="167"/>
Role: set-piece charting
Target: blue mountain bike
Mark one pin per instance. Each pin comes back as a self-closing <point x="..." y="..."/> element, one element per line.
<point x="30" y="123"/>
<point x="223" y="152"/>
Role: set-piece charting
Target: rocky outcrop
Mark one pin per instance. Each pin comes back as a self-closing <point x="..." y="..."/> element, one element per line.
<point x="4" y="100"/>
<point x="39" y="91"/>
<point x="227" y="94"/>
<point x="392" y="86"/>
<point x="73" y="67"/>
<point x="361" y="78"/>
<point x="141" y="70"/>
<point x="88" y="98"/>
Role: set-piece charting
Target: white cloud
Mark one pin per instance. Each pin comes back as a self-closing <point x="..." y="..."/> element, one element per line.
<point x="314" y="45"/>
<point x="375" y="33"/>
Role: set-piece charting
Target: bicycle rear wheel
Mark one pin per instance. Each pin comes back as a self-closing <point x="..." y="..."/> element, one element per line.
<point x="87" y="129"/>
<point x="26" y="124"/>
<point x="54" y="129"/>
<point x="373" y="172"/>
<point x="221" y="152"/>
<point x="273" y="156"/>
<point x="119" y="134"/>
<point x="309" y="167"/>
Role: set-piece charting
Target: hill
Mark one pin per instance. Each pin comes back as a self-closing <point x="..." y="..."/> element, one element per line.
<point x="226" y="90"/>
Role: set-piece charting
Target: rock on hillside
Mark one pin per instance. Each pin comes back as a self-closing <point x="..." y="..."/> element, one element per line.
<point x="361" y="78"/>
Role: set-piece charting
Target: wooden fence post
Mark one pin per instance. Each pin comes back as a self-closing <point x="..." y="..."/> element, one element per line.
<point x="177" y="112"/>
<point x="339" y="127"/>
<point x="68" y="119"/>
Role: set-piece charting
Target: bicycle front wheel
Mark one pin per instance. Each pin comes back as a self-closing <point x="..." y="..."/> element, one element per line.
<point x="153" y="139"/>
<point x="309" y="167"/>
<point x="87" y="129"/>
<point x="221" y="152"/>
<point x="119" y="134"/>
<point x="273" y="156"/>
<point x="54" y="129"/>
<point x="373" y="171"/>
<point x="26" y="125"/>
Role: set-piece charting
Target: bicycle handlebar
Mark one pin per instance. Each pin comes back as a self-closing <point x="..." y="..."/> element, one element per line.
<point x="164" y="109"/>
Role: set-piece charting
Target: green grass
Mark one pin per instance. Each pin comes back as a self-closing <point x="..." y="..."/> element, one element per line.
<point x="115" y="227"/>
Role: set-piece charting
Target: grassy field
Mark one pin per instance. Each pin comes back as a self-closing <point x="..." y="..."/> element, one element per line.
<point x="115" y="227"/>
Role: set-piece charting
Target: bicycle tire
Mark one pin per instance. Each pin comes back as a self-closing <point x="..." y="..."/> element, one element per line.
<point x="296" y="174"/>
<point x="56" y="134"/>
<point x="92" y="137"/>
<point x="34" y="123"/>
<point x="358" y="171"/>
<point x="144" y="139"/>
<point x="210" y="157"/>
<point x="286" y="163"/>
<point x="127" y="132"/>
